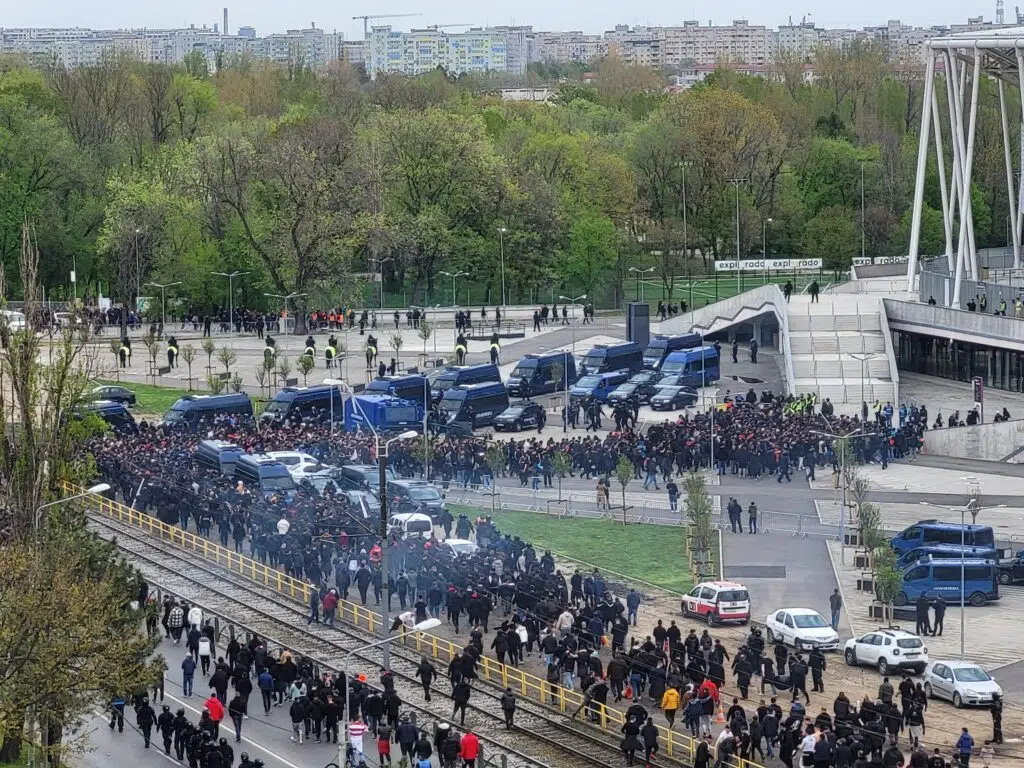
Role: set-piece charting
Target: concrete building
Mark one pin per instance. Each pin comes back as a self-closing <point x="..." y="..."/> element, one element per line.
<point x="84" y="47"/>
<point x="422" y="50"/>
<point x="570" y="46"/>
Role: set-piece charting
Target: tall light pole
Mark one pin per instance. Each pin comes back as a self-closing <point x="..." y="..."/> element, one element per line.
<point x="501" y="248"/>
<point x="423" y="626"/>
<point x="99" y="488"/>
<point x="231" y="293"/>
<point x="285" y="300"/>
<point x="736" y="183"/>
<point x="862" y="238"/>
<point x="639" y="278"/>
<point x="842" y="476"/>
<point x="764" y="245"/>
<point x="381" y="263"/>
<point x="460" y="273"/>
<point x="863" y="357"/>
<point x="163" y="299"/>
<point x="974" y="507"/>
<point x="572" y="302"/>
<point x="683" y="165"/>
<point x="138" y="268"/>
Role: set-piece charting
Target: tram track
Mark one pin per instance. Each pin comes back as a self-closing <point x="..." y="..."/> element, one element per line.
<point x="268" y="614"/>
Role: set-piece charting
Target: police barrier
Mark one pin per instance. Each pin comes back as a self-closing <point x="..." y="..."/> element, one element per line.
<point x="678" y="745"/>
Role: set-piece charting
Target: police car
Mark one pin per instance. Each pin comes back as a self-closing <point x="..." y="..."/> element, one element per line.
<point x="718" y="602"/>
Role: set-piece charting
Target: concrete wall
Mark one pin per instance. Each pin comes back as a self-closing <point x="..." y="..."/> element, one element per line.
<point x="990" y="442"/>
<point x="973" y="327"/>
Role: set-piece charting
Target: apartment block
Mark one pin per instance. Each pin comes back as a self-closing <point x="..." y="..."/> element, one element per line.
<point x="422" y="50"/>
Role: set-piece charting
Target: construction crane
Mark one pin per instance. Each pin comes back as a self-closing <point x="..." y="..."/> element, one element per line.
<point x="366" y="20"/>
<point x="436" y="27"/>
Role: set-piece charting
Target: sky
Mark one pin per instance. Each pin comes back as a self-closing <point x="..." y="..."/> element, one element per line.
<point x="591" y="16"/>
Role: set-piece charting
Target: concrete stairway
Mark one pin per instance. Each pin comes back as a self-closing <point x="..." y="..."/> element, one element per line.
<point x="841" y="350"/>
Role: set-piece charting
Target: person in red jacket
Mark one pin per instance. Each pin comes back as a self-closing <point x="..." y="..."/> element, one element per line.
<point x="469" y="750"/>
<point x="330" y="606"/>
<point x="215" y="708"/>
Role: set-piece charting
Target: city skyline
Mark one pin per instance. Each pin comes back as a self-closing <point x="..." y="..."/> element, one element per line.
<point x="269" y="18"/>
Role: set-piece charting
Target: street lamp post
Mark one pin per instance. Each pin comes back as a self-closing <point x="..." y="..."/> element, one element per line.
<point x="163" y="299"/>
<point x="842" y="477"/>
<point x="764" y="245"/>
<point x="736" y="183"/>
<point x="231" y="293"/>
<point x="381" y="263"/>
<point x="138" y="268"/>
<point x="683" y="165"/>
<point x="285" y="300"/>
<point x="974" y="508"/>
<point x="862" y="238"/>
<point x="863" y="357"/>
<point x="572" y="302"/>
<point x="501" y="247"/>
<point x="639" y="283"/>
<point x="423" y="626"/>
<point x="460" y="273"/>
<point x="98" y="488"/>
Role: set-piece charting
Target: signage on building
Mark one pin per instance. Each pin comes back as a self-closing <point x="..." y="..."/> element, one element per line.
<point x="762" y="265"/>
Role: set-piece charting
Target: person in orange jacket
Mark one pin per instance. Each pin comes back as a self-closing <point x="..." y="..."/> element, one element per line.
<point x="469" y="749"/>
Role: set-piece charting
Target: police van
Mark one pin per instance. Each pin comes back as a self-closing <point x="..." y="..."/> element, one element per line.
<point x="473" y="405"/>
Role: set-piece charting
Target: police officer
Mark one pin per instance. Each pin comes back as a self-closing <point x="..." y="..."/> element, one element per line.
<point x="144" y="718"/>
<point x="816" y="662"/>
<point x="172" y="352"/>
<point x="165" y="725"/>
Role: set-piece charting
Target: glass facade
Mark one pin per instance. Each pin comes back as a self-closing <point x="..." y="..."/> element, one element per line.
<point x="951" y="359"/>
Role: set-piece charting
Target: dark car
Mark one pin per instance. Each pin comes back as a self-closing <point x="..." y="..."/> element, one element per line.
<point x="524" y="414"/>
<point x="671" y="380"/>
<point x="624" y="393"/>
<point x="360" y="477"/>
<point x="673" y="398"/>
<point x="114" y="394"/>
<point x="415" y="496"/>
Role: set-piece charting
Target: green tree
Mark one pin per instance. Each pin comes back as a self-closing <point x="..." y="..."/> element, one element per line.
<point x="562" y="465"/>
<point x="699" y="513"/>
<point x="832" y="237"/>
<point x="591" y="253"/>
<point x="496" y="456"/>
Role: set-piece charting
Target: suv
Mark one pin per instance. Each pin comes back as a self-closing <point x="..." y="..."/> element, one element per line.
<point x="888" y="649"/>
<point x="718" y="602"/>
<point x="415" y="496"/>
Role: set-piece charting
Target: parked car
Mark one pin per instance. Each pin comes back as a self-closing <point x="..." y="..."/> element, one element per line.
<point x="961" y="682"/>
<point x="459" y="547"/>
<point x="801" y="628"/>
<point x="116" y="394"/>
<point x="673" y="398"/>
<point x="887" y="649"/>
<point x="718" y="602"/>
<point x="415" y="496"/>
<point x="523" y="414"/>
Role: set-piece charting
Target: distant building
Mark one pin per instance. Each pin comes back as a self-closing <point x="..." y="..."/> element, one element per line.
<point x="422" y="50"/>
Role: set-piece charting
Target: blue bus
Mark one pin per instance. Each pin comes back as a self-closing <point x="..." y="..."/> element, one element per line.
<point x="932" y="578"/>
<point x="660" y="347"/>
<point x="698" y="367"/>
<point x="929" y="532"/>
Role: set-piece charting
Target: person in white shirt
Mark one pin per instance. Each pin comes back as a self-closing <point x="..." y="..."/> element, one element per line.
<point x="564" y="623"/>
<point x="807" y="748"/>
<point x="195" y="617"/>
<point x="283" y="526"/>
<point x="205" y="652"/>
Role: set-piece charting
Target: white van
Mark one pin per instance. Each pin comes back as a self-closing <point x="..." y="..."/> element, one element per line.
<point x="408" y="524"/>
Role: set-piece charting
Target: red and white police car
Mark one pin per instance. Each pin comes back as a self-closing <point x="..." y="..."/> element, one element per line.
<point x="718" y="602"/>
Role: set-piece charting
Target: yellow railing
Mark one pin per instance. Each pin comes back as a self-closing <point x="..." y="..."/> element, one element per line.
<point x="679" y="745"/>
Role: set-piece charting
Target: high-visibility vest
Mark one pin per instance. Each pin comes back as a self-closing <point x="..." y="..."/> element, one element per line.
<point x="173" y="350"/>
<point x="310" y="351"/>
<point x="372" y="350"/>
<point x="495" y="347"/>
<point x="460" y="348"/>
<point x="329" y="352"/>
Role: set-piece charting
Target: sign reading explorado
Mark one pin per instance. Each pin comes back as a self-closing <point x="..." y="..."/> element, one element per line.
<point x="863" y="261"/>
<point x="762" y="265"/>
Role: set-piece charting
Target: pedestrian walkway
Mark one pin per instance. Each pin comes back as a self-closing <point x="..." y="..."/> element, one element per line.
<point x="915" y="478"/>
<point x="1006" y="522"/>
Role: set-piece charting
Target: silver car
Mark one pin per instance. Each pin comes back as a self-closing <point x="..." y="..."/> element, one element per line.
<point x="961" y="682"/>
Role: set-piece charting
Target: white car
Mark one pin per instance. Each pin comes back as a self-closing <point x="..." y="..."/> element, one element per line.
<point x="802" y="628"/>
<point x="15" y="320"/>
<point x="457" y="547"/>
<point x="887" y="649"/>
<point x="297" y="463"/>
<point x="961" y="682"/>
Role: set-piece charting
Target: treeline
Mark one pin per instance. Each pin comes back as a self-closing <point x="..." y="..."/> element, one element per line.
<point x="134" y="173"/>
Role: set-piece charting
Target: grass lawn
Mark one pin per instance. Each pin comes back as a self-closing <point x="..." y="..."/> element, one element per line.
<point x="652" y="553"/>
<point x="150" y="399"/>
